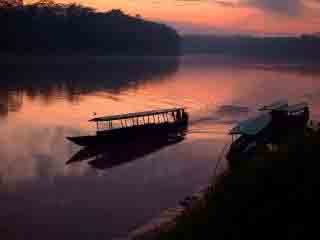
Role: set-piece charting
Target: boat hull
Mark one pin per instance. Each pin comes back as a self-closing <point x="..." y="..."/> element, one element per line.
<point x="280" y="128"/>
<point x="130" y="134"/>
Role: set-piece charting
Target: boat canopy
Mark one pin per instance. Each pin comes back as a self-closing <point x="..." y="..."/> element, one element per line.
<point x="296" y="107"/>
<point x="135" y="115"/>
<point x="251" y="126"/>
<point x="278" y="105"/>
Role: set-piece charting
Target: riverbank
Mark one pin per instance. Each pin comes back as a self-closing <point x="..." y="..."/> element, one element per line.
<point x="270" y="196"/>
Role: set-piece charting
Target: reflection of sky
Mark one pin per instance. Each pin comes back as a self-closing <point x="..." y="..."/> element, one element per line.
<point x="34" y="126"/>
<point x="39" y="186"/>
<point x="224" y="16"/>
<point x="106" y="203"/>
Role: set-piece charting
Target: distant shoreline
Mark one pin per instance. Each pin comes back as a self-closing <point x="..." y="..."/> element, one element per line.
<point x="74" y="58"/>
<point x="192" y="58"/>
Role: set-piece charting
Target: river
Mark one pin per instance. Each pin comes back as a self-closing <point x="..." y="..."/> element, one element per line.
<point x="43" y="102"/>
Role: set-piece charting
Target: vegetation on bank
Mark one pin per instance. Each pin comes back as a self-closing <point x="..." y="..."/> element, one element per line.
<point x="305" y="47"/>
<point x="271" y="196"/>
<point x="46" y="28"/>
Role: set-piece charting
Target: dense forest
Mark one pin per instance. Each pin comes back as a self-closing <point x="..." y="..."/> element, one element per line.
<point x="306" y="47"/>
<point x="46" y="28"/>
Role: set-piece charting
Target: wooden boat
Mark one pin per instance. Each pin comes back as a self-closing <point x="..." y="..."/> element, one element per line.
<point x="132" y="126"/>
<point x="278" y="121"/>
<point x="104" y="157"/>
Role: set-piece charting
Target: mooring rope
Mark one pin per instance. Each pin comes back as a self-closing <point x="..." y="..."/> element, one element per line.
<point x="220" y="157"/>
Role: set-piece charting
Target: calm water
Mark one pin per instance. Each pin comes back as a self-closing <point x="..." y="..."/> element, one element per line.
<point x="42" y="102"/>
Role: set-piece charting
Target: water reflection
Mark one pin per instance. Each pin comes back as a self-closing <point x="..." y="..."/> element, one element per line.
<point x="68" y="78"/>
<point x="112" y="155"/>
<point x="43" y="102"/>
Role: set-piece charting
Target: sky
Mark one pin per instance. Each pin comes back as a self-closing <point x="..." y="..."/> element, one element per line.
<point x="256" y="17"/>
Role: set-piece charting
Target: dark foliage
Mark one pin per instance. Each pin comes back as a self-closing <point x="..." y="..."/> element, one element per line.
<point x="272" y="48"/>
<point x="10" y="3"/>
<point x="272" y="196"/>
<point x="49" y="28"/>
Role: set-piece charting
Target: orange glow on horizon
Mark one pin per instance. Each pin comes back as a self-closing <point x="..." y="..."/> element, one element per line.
<point x="209" y="17"/>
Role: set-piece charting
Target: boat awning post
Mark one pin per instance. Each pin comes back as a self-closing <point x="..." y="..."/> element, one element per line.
<point x="173" y="116"/>
<point x="137" y="114"/>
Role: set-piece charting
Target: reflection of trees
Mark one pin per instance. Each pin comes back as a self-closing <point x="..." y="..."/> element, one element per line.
<point x="48" y="79"/>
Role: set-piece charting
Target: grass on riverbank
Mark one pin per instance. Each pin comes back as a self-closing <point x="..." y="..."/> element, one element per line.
<point x="269" y="197"/>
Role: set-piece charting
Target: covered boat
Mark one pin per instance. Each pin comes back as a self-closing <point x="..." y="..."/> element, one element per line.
<point x="131" y="126"/>
<point x="276" y="122"/>
<point x="247" y="134"/>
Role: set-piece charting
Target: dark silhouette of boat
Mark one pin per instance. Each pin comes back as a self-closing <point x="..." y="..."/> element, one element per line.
<point x="111" y="155"/>
<point x="278" y="121"/>
<point x="130" y="127"/>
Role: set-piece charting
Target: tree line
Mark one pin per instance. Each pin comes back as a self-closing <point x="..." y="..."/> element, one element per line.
<point x="273" y="48"/>
<point x="46" y="27"/>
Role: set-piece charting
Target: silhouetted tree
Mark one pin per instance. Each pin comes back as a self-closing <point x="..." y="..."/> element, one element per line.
<point x="11" y="3"/>
<point x="50" y="28"/>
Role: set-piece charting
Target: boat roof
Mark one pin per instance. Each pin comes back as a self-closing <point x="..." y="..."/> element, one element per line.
<point x="278" y="105"/>
<point x="136" y="114"/>
<point x="252" y="126"/>
<point x="297" y="107"/>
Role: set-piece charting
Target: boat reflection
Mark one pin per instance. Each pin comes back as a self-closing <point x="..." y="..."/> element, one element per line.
<point x="112" y="155"/>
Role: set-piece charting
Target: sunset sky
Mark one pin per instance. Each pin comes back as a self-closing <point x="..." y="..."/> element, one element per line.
<point x="266" y="17"/>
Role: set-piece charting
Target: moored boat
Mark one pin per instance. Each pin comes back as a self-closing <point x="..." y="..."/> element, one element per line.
<point x="129" y="127"/>
<point x="277" y="121"/>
